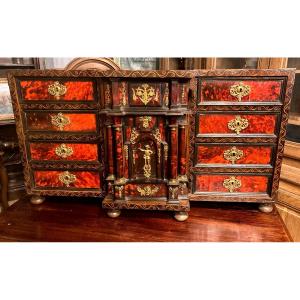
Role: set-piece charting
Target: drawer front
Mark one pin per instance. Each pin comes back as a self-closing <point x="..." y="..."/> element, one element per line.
<point x="145" y="190"/>
<point x="231" y="183"/>
<point x="53" y="90"/>
<point x="72" y="152"/>
<point x="67" y="179"/>
<point x="240" y="90"/>
<point x="57" y="121"/>
<point x="234" y="154"/>
<point x="236" y="124"/>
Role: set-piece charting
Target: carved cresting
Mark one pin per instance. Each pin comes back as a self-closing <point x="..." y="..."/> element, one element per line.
<point x="233" y="154"/>
<point x="67" y="178"/>
<point x="57" y="89"/>
<point x="232" y="183"/>
<point x="147" y="190"/>
<point x="238" y="124"/>
<point x="60" y="121"/>
<point x="145" y="93"/>
<point x="63" y="151"/>
<point x="240" y="90"/>
<point x="147" y="157"/>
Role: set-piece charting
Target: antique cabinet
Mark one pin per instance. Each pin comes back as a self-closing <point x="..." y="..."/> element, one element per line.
<point x="153" y="139"/>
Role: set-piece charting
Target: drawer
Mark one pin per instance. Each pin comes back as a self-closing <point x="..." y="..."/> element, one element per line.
<point x="61" y="151"/>
<point x="58" y="121"/>
<point x="146" y="190"/>
<point x="67" y="179"/>
<point x="53" y="90"/>
<point x="234" y="154"/>
<point x="231" y="183"/>
<point x="235" y="90"/>
<point x="236" y="124"/>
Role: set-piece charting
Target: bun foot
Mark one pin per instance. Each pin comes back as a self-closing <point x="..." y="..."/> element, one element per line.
<point x="181" y="215"/>
<point x="266" y="207"/>
<point x="36" y="199"/>
<point x="113" y="213"/>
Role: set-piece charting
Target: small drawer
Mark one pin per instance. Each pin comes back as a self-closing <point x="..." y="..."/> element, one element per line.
<point x="67" y="179"/>
<point x="234" y="154"/>
<point x="235" y="124"/>
<point x="146" y="190"/>
<point x="55" y="90"/>
<point x="240" y="90"/>
<point x="61" y="151"/>
<point x="231" y="183"/>
<point x="58" y="121"/>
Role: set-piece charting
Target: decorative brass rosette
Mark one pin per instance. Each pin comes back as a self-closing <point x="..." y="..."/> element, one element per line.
<point x="63" y="151"/>
<point x="57" y="89"/>
<point x="67" y="178"/>
<point x="240" y="90"/>
<point x="232" y="184"/>
<point x="233" y="154"/>
<point x="238" y="124"/>
<point x="60" y="121"/>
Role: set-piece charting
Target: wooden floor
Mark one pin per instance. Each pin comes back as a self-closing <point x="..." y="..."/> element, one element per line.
<point x="83" y="220"/>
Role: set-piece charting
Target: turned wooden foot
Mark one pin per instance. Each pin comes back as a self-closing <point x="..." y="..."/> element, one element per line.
<point x="181" y="215"/>
<point x="113" y="213"/>
<point x="266" y="207"/>
<point x="36" y="199"/>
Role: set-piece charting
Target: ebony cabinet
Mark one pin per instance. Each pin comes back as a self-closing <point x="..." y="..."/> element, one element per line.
<point x="153" y="139"/>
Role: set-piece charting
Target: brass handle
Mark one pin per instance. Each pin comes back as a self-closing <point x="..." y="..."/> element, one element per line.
<point x="67" y="178"/>
<point x="233" y="154"/>
<point x="147" y="190"/>
<point x="60" y="121"/>
<point x="63" y="151"/>
<point x="240" y="90"/>
<point x="238" y="124"/>
<point x="57" y="89"/>
<point x="232" y="183"/>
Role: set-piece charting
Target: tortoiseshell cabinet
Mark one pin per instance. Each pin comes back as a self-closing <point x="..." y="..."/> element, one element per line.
<point x="153" y="139"/>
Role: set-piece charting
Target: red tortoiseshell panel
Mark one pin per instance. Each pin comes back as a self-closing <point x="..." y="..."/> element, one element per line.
<point x="219" y="90"/>
<point x="84" y="179"/>
<point x="78" y="122"/>
<point x="214" y="183"/>
<point x="218" y="123"/>
<point x="76" y="90"/>
<point x="251" y="154"/>
<point x="158" y="190"/>
<point x="46" y="151"/>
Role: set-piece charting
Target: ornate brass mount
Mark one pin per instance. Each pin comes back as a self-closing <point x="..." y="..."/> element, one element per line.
<point x="145" y="120"/>
<point x="166" y="95"/>
<point x="173" y="191"/>
<point x="240" y="90"/>
<point x="126" y="151"/>
<point x="60" y="121"/>
<point x="147" y="190"/>
<point x="123" y="94"/>
<point x="120" y="189"/>
<point x="67" y="178"/>
<point x="233" y="154"/>
<point x="57" y="89"/>
<point x="134" y="135"/>
<point x="147" y="157"/>
<point x="107" y="95"/>
<point x="63" y="151"/>
<point x="238" y="124"/>
<point x="231" y="184"/>
<point x="145" y="93"/>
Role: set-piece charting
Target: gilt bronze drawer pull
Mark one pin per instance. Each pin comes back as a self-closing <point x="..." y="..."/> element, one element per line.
<point x="60" y="121"/>
<point x="231" y="184"/>
<point x="238" y="124"/>
<point x="57" y="89"/>
<point x="67" y="178"/>
<point x="240" y="90"/>
<point x="63" y="151"/>
<point x="233" y="154"/>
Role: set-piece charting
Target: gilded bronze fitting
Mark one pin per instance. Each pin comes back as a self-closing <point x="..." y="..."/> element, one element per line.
<point x="63" y="151"/>
<point x="147" y="157"/>
<point x="145" y="93"/>
<point x="67" y="178"/>
<point x="123" y="100"/>
<point x="145" y="120"/>
<point x="233" y="154"/>
<point x="240" y="90"/>
<point x="173" y="191"/>
<point x="238" y="124"/>
<point x="134" y="135"/>
<point x="166" y="95"/>
<point x="107" y="96"/>
<point x="147" y="190"/>
<point x="60" y="121"/>
<point x="166" y="150"/>
<point x="126" y="151"/>
<point x="232" y="183"/>
<point x="57" y="89"/>
<point x="120" y="189"/>
<point x="157" y="135"/>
